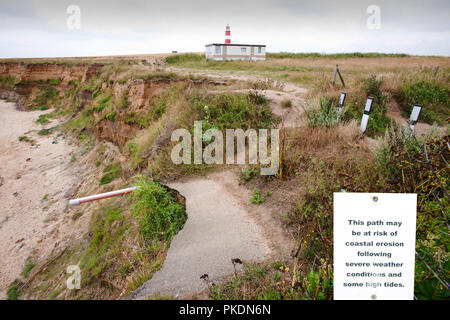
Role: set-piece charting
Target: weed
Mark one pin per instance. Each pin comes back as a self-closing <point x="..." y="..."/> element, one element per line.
<point x="14" y="292"/>
<point x="43" y="118"/>
<point x="248" y="174"/>
<point x="111" y="172"/>
<point x="27" y="269"/>
<point x="54" y="82"/>
<point x="325" y="114"/>
<point x="256" y="197"/>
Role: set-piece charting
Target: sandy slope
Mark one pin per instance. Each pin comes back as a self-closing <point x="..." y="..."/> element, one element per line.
<point x="34" y="186"/>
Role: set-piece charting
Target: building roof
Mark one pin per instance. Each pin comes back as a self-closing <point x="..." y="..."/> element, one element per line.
<point x="235" y="44"/>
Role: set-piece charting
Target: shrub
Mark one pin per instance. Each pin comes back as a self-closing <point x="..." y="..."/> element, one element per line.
<point x="325" y="114"/>
<point x="184" y="57"/>
<point x="286" y="103"/>
<point x="159" y="214"/>
<point x="27" y="269"/>
<point x="257" y="198"/>
<point x="420" y="166"/>
<point x="13" y="292"/>
<point x="43" y="118"/>
<point x="48" y="95"/>
<point x="111" y="172"/>
<point x="232" y="111"/>
<point x="54" y="81"/>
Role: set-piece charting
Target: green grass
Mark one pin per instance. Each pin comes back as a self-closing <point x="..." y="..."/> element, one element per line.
<point x="111" y="172"/>
<point x="289" y="55"/>
<point x="27" y="269"/>
<point x="44" y="118"/>
<point x="105" y="241"/>
<point x="184" y="57"/>
<point x="48" y="96"/>
<point x="54" y="82"/>
<point x="434" y="97"/>
<point x="13" y="292"/>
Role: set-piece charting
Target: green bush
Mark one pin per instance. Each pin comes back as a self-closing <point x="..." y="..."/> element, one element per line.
<point x="434" y="97"/>
<point x="43" y="118"/>
<point x="160" y="215"/>
<point x="13" y="292"/>
<point x="27" y="269"/>
<point x="257" y="198"/>
<point x="47" y="95"/>
<point x="111" y="172"/>
<point x="325" y="114"/>
<point x="226" y="111"/>
<point x="419" y="166"/>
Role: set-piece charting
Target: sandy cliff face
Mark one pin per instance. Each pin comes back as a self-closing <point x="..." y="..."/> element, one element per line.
<point x="44" y="71"/>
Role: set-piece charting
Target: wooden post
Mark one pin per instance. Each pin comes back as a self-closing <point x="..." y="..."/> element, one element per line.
<point x="334" y="77"/>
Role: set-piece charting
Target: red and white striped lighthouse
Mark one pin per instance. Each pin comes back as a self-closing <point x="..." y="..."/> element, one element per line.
<point x="227" y="34"/>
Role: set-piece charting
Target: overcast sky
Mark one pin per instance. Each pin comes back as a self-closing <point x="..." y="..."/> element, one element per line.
<point x="32" y="28"/>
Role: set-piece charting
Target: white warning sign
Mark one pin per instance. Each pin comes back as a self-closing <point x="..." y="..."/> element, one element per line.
<point x="374" y="246"/>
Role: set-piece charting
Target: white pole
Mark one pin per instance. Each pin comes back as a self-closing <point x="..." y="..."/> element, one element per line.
<point x="100" y="196"/>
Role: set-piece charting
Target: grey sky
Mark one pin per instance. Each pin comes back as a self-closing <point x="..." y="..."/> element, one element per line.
<point x="34" y="28"/>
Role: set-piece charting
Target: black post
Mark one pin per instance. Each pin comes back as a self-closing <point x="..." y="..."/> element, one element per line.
<point x="340" y="76"/>
<point x="436" y="72"/>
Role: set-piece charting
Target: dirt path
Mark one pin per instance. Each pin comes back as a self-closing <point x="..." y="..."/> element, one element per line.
<point x="34" y="186"/>
<point x="221" y="226"/>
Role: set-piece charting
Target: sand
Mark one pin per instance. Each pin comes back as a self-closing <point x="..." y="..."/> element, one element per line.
<point x="35" y="184"/>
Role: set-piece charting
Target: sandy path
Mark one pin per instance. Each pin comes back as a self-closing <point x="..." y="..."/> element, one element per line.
<point x="33" y="193"/>
<point x="220" y="227"/>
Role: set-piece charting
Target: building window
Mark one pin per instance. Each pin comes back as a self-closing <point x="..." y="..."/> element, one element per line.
<point x="259" y="49"/>
<point x="243" y="50"/>
<point x="218" y="50"/>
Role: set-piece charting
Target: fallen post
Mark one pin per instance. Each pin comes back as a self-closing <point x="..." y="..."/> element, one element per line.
<point x="100" y="196"/>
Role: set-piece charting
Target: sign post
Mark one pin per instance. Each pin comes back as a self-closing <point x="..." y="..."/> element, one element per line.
<point x="341" y="102"/>
<point x="374" y="246"/>
<point x="365" y="117"/>
<point x="414" y="116"/>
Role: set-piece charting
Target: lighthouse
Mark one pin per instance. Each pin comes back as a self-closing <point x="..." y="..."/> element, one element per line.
<point x="227" y="34"/>
<point x="227" y="51"/>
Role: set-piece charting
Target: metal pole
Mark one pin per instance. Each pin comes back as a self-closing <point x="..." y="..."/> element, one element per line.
<point x="340" y="76"/>
<point x="100" y="196"/>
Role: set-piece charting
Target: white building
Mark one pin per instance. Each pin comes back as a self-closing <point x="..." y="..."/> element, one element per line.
<point x="228" y="51"/>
